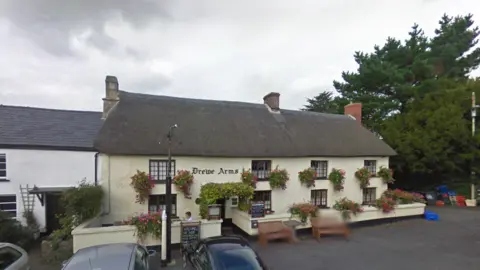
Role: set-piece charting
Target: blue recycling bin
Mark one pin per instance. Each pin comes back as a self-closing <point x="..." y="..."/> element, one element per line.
<point x="429" y="215"/>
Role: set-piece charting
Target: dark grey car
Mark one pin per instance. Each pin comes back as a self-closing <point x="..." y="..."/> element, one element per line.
<point x="123" y="256"/>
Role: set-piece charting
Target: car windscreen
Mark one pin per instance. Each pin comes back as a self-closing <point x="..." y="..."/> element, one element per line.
<point x="242" y="258"/>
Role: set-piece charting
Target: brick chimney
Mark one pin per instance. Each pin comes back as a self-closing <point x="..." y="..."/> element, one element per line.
<point x="272" y="100"/>
<point x="355" y="110"/>
<point x="111" y="95"/>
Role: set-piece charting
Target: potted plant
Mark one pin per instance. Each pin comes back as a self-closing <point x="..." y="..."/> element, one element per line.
<point x="307" y="177"/>
<point x="142" y="184"/>
<point x="385" y="204"/>
<point x="347" y="208"/>
<point x="146" y="224"/>
<point x="279" y="178"/>
<point x="363" y="176"/>
<point x="303" y="211"/>
<point x="337" y="178"/>
<point x="249" y="178"/>
<point x="386" y="174"/>
<point x="183" y="180"/>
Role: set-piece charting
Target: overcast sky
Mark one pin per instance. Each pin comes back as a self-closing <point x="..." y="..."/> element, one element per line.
<point x="56" y="55"/>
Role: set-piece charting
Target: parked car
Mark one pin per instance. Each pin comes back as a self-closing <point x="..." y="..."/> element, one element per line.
<point x="123" y="256"/>
<point x="13" y="257"/>
<point x="222" y="253"/>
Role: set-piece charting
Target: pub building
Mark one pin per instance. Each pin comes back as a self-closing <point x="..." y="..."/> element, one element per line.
<point x="215" y="141"/>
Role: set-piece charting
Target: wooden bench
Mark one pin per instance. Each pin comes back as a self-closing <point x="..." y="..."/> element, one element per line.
<point x="272" y="230"/>
<point x="328" y="226"/>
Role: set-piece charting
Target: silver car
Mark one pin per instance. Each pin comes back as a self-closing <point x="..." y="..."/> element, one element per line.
<point x="13" y="257"/>
<point x="123" y="256"/>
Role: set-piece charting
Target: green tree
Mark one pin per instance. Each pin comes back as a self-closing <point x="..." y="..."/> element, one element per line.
<point x="325" y="102"/>
<point x="390" y="77"/>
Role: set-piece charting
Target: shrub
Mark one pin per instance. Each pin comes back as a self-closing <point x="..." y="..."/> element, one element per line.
<point x="147" y="224"/>
<point x="347" y="207"/>
<point x="385" y="204"/>
<point x="303" y="211"/>
<point x="279" y="178"/>
<point x="12" y="231"/>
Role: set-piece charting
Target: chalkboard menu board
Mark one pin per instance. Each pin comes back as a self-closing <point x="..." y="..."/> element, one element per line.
<point x="189" y="232"/>
<point x="257" y="210"/>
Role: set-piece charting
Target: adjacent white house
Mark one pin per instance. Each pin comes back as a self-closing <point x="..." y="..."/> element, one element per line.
<point x="43" y="152"/>
<point x="216" y="140"/>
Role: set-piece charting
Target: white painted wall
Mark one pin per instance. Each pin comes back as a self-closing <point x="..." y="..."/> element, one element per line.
<point x="119" y="169"/>
<point x="44" y="168"/>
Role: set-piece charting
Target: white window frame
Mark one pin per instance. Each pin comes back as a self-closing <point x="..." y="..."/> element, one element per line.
<point x="3" y="157"/>
<point x="14" y="211"/>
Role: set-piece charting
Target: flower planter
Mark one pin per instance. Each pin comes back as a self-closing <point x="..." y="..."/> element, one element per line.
<point x="471" y="203"/>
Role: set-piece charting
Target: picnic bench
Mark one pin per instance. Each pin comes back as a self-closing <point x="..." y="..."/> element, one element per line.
<point x="272" y="230"/>
<point x="328" y="226"/>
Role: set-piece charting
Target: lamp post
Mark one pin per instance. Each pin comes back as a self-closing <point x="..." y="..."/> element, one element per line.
<point x="168" y="196"/>
<point x="472" y="172"/>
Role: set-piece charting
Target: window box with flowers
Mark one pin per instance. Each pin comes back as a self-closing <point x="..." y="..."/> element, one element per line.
<point x="386" y="174"/>
<point x="279" y="178"/>
<point x="337" y="178"/>
<point x="404" y="197"/>
<point x="307" y="177"/>
<point x="347" y="207"/>
<point x="146" y="224"/>
<point x="183" y="181"/>
<point x="303" y="211"/>
<point x="363" y="176"/>
<point x="142" y="184"/>
<point x="249" y="178"/>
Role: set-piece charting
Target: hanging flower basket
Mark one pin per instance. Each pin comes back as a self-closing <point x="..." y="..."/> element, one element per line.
<point x="307" y="177"/>
<point x="279" y="178"/>
<point x="248" y="178"/>
<point x="347" y="208"/>
<point x="386" y="174"/>
<point x="183" y="181"/>
<point x="363" y="176"/>
<point x="337" y="178"/>
<point x="142" y="184"/>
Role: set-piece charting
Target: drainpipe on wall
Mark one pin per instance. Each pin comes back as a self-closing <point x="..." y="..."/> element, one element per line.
<point x="109" y="191"/>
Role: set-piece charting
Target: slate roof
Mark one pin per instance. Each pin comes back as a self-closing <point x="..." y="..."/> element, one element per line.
<point x="27" y="127"/>
<point x="138" y="125"/>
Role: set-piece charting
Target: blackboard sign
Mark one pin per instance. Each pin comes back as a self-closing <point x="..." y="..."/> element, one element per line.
<point x="257" y="210"/>
<point x="189" y="232"/>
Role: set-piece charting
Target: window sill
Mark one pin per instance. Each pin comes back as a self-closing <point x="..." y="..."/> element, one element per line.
<point x="322" y="207"/>
<point x="4" y="180"/>
<point x="323" y="178"/>
<point x="159" y="181"/>
<point x="262" y="180"/>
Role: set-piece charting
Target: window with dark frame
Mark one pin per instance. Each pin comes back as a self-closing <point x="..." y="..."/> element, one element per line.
<point x="8" y="204"/>
<point x="319" y="198"/>
<point x="261" y="169"/>
<point x="371" y="165"/>
<point x="159" y="169"/>
<point x="157" y="203"/>
<point x="263" y="196"/>
<point x="369" y="196"/>
<point x="320" y="167"/>
<point x="3" y="166"/>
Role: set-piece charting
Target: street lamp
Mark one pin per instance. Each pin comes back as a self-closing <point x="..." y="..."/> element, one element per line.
<point x="168" y="195"/>
<point x="472" y="172"/>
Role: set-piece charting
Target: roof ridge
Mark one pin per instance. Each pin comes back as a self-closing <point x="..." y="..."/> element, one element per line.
<point x="46" y="109"/>
<point x="189" y="98"/>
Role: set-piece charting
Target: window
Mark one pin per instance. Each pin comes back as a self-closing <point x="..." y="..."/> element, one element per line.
<point x="371" y="165"/>
<point x="156" y="203"/>
<point x="8" y="203"/>
<point x="261" y="169"/>
<point x="319" y="197"/>
<point x="159" y="169"/>
<point x="3" y="166"/>
<point x="8" y="256"/>
<point x="263" y="196"/>
<point x="369" y="196"/>
<point x="320" y="167"/>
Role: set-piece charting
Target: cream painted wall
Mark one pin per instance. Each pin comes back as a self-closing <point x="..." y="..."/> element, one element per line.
<point x="117" y="170"/>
